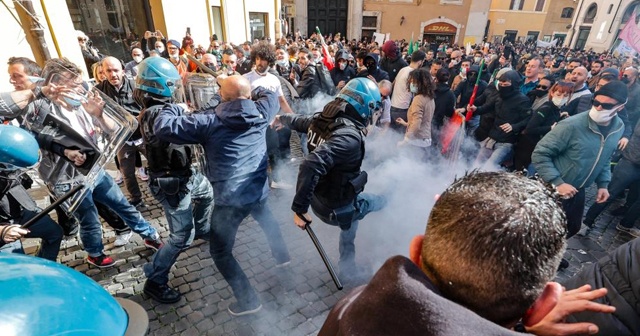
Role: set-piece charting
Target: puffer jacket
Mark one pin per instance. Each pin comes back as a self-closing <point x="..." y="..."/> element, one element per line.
<point x="576" y="152"/>
<point x="233" y="137"/>
<point x="619" y="273"/>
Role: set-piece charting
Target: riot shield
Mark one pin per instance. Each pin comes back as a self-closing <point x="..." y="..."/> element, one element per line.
<point x="199" y="90"/>
<point x="67" y="117"/>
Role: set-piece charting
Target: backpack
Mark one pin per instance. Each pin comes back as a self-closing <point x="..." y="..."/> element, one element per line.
<point x="326" y="83"/>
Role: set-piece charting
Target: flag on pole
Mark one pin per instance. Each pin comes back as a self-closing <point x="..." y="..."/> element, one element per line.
<point x="410" y="51"/>
<point x="327" y="60"/>
<point x="630" y="33"/>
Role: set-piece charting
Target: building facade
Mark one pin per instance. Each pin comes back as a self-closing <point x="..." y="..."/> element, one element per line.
<point x="598" y="23"/>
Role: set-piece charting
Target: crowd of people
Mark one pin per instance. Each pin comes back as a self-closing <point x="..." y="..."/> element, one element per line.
<point x="565" y="118"/>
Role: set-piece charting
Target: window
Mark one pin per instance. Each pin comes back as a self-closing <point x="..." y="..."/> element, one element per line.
<point x="369" y="21"/>
<point x="516" y="5"/>
<point x="216" y="17"/>
<point x="532" y="36"/>
<point x="539" y="5"/>
<point x="591" y="13"/>
<point x="258" y="25"/>
<point x="628" y="12"/>
<point x="567" y="13"/>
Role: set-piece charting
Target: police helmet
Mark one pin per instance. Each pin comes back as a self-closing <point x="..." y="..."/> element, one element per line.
<point x="158" y="76"/>
<point x="363" y="94"/>
<point x="19" y="149"/>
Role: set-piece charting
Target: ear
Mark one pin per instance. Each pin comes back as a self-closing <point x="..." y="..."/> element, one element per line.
<point x="415" y="249"/>
<point x="544" y="304"/>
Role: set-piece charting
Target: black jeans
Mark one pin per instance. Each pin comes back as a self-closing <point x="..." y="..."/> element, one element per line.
<point x="574" y="208"/>
<point x="225" y="221"/>
<point x="47" y="230"/>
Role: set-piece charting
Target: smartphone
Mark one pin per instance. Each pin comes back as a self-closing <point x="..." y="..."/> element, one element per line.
<point x="189" y="31"/>
<point x="152" y="34"/>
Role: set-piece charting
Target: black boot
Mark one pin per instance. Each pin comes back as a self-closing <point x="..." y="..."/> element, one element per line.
<point x="161" y="292"/>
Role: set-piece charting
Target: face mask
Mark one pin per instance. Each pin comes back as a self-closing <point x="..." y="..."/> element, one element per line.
<point x="138" y="59"/>
<point x="497" y="86"/>
<point x="505" y="90"/>
<point x="463" y="72"/>
<point x="539" y="93"/>
<point x="343" y="66"/>
<point x="413" y="88"/>
<point x="175" y="57"/>
<point x="160" y="49"/>
<point x="625" y="80"/>
<point x="75" y="100"/>
<point x="371" y="68"/>
<point x="247" y="53"/>
<point x="601" y="117"/>
<point x="34" y="79"/>
<point x="211" y="66"/>
<point x="559" y="101"/>
<point x="477" y="59"/>
<point x="283" y="62"/>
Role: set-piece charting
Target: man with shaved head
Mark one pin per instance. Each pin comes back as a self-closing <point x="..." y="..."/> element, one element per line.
<point x="233" y="137"/>
<point x="120" y="88"/>
<point x="630" y="77"/>
<point x="581" y="98"/>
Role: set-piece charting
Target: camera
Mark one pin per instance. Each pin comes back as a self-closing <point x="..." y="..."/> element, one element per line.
<point x="152" y="34"/>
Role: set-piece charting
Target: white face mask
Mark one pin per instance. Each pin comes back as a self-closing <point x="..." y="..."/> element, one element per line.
<point x="497" y="85"/>
<point x="343" y="66"/>
<point x="138" y="59"/>
<point x="559" y="101"/>
<point x="176" y="56"/>
<point x="463" y="72"/>
<point x="601" y="117"/>
<point x="283" y="62"/>
<point x="477" y="59"/>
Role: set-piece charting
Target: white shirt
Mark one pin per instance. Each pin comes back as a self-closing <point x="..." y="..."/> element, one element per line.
<point x="268" y="81"/>
<point x="401" y="97"/>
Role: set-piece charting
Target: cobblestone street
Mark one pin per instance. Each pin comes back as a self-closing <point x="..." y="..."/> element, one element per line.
<point x="295" y="298"/>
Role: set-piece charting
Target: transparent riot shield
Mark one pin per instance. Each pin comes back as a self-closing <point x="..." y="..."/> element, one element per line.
<point x="199" y="90"/>
<point x="69" y="120"/>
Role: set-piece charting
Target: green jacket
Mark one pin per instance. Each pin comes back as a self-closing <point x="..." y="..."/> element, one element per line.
<point x="576" y="152"/>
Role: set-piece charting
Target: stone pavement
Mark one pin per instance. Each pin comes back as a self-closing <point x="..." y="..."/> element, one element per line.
<point x="296" y="298"/>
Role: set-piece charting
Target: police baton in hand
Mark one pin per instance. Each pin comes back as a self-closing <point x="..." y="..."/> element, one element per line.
<point x="320" y="249"/>
<point x="52" y="206"/>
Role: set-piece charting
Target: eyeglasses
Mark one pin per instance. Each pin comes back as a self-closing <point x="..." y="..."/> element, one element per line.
<point x="606" y="106"/>
<point x="544" y="87"/>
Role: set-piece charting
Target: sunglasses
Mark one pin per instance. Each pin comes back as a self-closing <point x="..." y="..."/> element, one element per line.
<point x="172" y="48"/>
<point x="544" y="87"/>
<point x="606" y="106"/>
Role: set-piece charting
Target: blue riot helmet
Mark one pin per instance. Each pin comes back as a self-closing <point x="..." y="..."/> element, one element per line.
<point x="363" y="94"/>
<point x="158" y="76"/>
<point x="19" y="148"/>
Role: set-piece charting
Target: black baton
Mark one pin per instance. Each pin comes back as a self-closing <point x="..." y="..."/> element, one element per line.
<point x="51" y="207"/>
<point x="320" y="249"/>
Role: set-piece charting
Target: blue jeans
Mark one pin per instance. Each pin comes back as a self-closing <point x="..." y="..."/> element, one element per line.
<point x="107" y="192"/>
<point x="490" y="159"/>
<point x="624" y="175"/>
<point x="364" y="204"/>
<point x="225" y="221"/>
<point x="189" y="219"/>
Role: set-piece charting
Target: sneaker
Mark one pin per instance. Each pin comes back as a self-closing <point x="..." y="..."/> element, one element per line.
<point x="119" y="178"/>
<point x="122" y="239"/>
<point x="161" y="293"/>
<point x="236" y="309"/>
<point x="101" y="261"/>
<point x="621" y="211"/>
<point x="154" y="244"/>
<point x="630" y="231"/>
<point x="139" y="204"/>
<point x="142" y="174"/>
<point x="281" y="185"/>
<point x="283" y="264"/>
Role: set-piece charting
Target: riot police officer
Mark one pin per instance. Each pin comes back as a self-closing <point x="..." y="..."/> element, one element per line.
<point x="185" y="194"/>
<point x="330" y="179"/>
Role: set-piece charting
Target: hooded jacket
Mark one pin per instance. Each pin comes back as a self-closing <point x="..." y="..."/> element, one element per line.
<point x="392" y="61"/>
<point x="465" y="89"/>
<point x="345" y="75"/>
<point x="377" y="73"/>
<point x="401" y="300"/>
<point x="233" y="137"/>
<point x="445" y="102"/>
<point x="513" y="108"/>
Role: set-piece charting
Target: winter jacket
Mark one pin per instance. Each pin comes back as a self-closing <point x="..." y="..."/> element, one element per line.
<point x="309" y="84"/>
<point x="392" y="66"/>
<point x="619" y="273"/>
<point x="576" y="152"/>
<point x="486" y="104"/>
<point x="445" y="103"/>
<point x="580" y="101"/>
<point x="539" y="125"/>
<point x="514" y="110"/>
<point x="319" y="175"/>
<point x="345" y="75"/>
<point x="632" y="152"/>
<point x="464" y="91"/>
<point x="233" y="137"/>
<point x="419" y="117"/>
<point x="401" y="300"/>
<point x="378" y="73"/>
<point x="633" y="104"/>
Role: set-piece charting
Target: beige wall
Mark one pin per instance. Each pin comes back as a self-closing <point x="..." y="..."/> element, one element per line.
<point x="555" y="24"/>
<point x="416" y="13"/>
<point x="523" y="21"/>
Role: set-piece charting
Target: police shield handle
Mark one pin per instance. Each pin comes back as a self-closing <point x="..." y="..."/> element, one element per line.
<point x="323" y="254"/>
<point x="53" y="205"/>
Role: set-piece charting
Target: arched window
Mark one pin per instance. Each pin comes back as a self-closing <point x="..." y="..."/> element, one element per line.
<point x="628" y="11"/>
<point x="590" y="16"/>
<point x="567" y="13"/>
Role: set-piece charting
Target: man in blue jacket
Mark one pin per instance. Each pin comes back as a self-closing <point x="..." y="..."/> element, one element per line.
<point x="233" y="137"/>
<point x="578" y="150"/>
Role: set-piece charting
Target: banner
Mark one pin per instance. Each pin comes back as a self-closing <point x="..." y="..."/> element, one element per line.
<point x="623" y="49"/>
<point x="543" y="44"/>
<point x="630" y="33"/>
<point x="379" y="38"/>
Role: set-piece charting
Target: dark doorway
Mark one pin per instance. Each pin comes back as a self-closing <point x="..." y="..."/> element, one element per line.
<point x="328" y="15"/>
<point x="583" y="35"/>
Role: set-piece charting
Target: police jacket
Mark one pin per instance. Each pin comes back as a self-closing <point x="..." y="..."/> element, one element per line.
<point x="618" y="273"/>
<point x="336" y="150"/>
<point x="233" y="138"/>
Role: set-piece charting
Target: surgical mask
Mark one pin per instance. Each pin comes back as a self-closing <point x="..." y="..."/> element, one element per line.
<point x="175" y="57"/>
<point x="283" y="62"/>
<point x="138" y="59"/>
<point x="160" y="49"/>
<point x="477" y="59"/>
<point x="34" y="79"/>
<point x="463" y="72"/>
<point x="559" y="101"/>
<point x="601" y="117"/>
<point x="413" y="88"/>
<point x="75" y="100"/>
<point x="343" y="66"/>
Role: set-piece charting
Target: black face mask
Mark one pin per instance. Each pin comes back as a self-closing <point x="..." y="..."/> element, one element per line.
<point x="371" y="68"/>
<point x="539" y="93"/>
<point x="625" y="80"/>
<point x="505" y="90"/>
